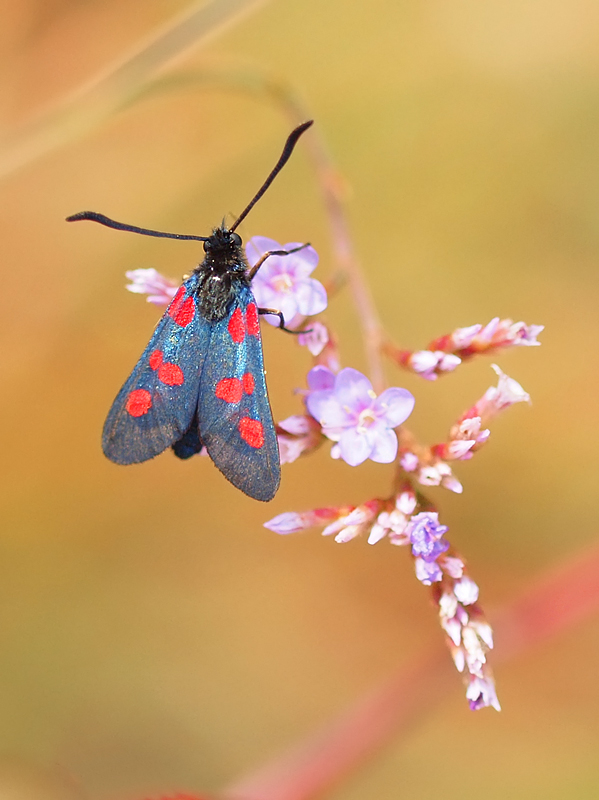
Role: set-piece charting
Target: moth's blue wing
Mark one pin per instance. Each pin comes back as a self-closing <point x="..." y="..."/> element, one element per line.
<point x="235" y="420"/>
<point x="156" y="406"/>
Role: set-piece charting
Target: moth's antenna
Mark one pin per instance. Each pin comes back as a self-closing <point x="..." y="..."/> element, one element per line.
<point x="120" y="226"/>
<point x="287" y="151"/>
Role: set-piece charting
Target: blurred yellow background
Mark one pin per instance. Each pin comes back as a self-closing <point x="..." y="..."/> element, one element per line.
<point x="155" y="636"/>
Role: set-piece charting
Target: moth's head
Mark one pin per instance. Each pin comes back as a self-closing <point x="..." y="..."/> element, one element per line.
<point x="222" y="241"/>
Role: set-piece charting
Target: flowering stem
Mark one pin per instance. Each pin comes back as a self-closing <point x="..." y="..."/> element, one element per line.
<point x="561" y="597"/>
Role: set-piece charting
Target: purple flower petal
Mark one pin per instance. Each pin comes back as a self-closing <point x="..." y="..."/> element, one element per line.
<point x="384" y="450"/>
<point x="321" y="378"/>
<point x="257" y="246"/>
<point x="326" y="410"/>
<point x="263" y="292"/>
<point x="311" y="297"/>
<point x="426" y="572"/>
<point x="354" y="390"/>
<point x="394" y="406"/>
<point x="276" y="267"/>
<point x="306" y="258"/>
<point x="354" y="447"/>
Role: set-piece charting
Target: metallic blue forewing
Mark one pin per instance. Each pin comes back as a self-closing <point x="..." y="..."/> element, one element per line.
<point x="156" y="405"/>
<point x="235" y="419"/>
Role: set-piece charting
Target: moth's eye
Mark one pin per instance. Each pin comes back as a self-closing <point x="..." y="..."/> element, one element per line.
<point x="207" y="245"/>
<point x="236" y="239"/>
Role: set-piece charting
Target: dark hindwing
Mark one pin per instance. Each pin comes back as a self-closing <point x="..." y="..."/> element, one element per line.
<point x="158" y="401"/>
<point x="235" y="420"/>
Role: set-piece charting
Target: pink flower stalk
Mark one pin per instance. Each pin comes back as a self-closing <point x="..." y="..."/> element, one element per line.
<point x="297" y="435"/>
<point x="284" y="283"/>
<point x="493" y="336"/>
<point x="468" y="434"/>
<point x="379" y="518"/>
<point x="469" y="635"/>
<point x="351" y="415"/>
<point x="447" y="352"/>
<point x="160" y="290"/>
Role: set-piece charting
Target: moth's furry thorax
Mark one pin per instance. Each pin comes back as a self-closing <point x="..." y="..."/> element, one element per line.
<point x="220" y="273"/>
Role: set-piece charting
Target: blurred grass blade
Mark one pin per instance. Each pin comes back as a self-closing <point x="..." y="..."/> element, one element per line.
<point x="107" y="93"/>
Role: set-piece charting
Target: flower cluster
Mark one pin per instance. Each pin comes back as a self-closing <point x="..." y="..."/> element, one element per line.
<point x="342" y="406"/>
<point x="449" y="351"/>
<point x="454" y="593"/>
<point x="495" y="335"/>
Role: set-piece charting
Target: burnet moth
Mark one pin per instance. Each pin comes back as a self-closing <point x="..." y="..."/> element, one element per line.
<point x="200" y="381"/>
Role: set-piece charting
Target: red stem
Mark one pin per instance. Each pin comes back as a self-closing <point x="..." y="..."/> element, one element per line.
<point x="559" y="599"/>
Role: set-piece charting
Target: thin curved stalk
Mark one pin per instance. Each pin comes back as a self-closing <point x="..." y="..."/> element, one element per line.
<point x="113" y="89"/>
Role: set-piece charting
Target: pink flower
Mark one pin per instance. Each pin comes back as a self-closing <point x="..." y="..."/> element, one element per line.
<point x="505" y="333"/>
<point x="161" y="290"/>
<point x="434" y="472"/>
<point x="409" y="461"/>
<point x="283" y="282"/>
<point x="297" y="435"/>
<point x="315" y="339"/>
<point x="484" y="339"/>
<point x="481" y="693"/>
<point x="497" y="398"/>
<point x="351" y="414"/>
<point x="393" y="521"/>
<point x="430" y="365"/>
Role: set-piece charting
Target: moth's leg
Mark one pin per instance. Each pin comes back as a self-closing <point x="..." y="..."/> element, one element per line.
<point x="274" y="313"/>
<point x="269" y="253"/>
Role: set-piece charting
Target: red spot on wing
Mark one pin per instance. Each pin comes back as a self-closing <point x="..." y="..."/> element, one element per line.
<point x="236" y="327"/>
<point x="176" y="302"/>
<point x="249" y="383"/>
<point x="182" y="310"/>
<point x="170" y="374"/>
<point x="229" y="389"/>
<point x="251" y="431"/>
<point x="156" y="359"/>
<point x="253" y="322"/>
<point x="139" y="402"/>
